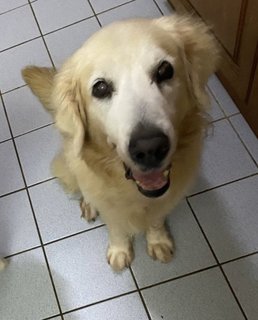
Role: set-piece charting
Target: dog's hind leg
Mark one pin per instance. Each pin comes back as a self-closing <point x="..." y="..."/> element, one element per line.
<point x="159" y="243"/>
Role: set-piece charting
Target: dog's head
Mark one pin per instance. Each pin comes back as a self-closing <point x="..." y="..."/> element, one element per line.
<point x="132" y="84"/>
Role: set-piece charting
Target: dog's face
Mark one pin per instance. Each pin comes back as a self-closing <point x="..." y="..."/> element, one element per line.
<point x="133" y="82"/>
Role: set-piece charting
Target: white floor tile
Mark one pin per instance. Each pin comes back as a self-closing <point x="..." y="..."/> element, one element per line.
<point x="58" y="215"/>
<point x="191" y="251"/>
<point x="55" y="14"/>
<point x="243" y="277"/>
<point x="222" y="96"/>
<point x="165" y="7"/>
<point x="136" y="9"/>
<point x="17" y="227"/>
<point x="246" y="134"/>
<point x="26" y="291"/>
<point x="229" y="218"/>
<point x="126" y="308"/>
<point x="4" y="129"/>
<point x="10" y="173"/>
<point x="224" y="158"/>
<point x="203" y="296"/>
<point x="215" y="111"/>
<point x="63" y="43"/>
<point x="13" y="60"/>
<point x="19" y="25"/>
<point x="81" y="272"/>
<point x="100" y="5"/>
<point x="25" y="112"/>
<point x="36" y="151"/>
<point x="11" y="4"/>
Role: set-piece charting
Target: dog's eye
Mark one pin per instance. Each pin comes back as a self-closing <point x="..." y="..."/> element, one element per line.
<point x="164" y="72"/>
<point x="102" y="89"/>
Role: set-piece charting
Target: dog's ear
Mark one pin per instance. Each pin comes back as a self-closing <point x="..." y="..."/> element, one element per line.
<point x="70" y="113"/>
<point x="199" y="50"/>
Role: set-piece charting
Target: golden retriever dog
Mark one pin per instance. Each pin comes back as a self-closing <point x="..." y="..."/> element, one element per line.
<point x="131" y="107"/>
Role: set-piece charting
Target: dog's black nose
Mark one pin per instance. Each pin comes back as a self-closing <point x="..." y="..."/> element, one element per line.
<point x="148" y="146"/>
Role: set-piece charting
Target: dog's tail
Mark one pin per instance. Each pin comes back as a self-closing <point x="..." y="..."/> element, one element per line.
<point x="40" y="80"/>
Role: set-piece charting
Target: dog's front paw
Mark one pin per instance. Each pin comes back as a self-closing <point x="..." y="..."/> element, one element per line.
<point x="162" y="251"/>
<point x="89" y="213"/>
<point x="119" y="258"/>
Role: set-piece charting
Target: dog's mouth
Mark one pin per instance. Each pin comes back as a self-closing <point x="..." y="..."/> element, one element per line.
<point x="152" y="184"/>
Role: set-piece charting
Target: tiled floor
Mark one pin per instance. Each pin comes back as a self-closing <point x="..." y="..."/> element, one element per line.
<point x="57" y="268"/>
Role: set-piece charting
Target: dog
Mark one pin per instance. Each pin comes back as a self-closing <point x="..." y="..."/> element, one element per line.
<point x="131" y="107"/>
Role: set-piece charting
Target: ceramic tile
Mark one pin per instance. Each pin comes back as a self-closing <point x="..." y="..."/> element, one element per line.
<point x="246" y="134"/>
<point x="243" y="277"/>
<point x="36" y="151"/>
<point x="11" y="4"/>
<point x="13" y="60"/>
<point x="165" y="7"/>
<point x="99" y="5"/>
<point x="55" y="14"/>
<point x="58" y="214"/>
<point x="138" y="8"/>
<point x="81" y="272"/>
<point x="4" y="129"/>
<point x="191" y="251"/>
<point x="202" y="296"/>
<point x="127" y="308"/>
<point x="19" y="25"/>
<point x="63" y="43"/>
<point x="25" y="112"/>
<point x="229" y="217"/>
<point x="26" y="291"/>
<point x="10" y="174"/>
<point x="17" y="227"/>
<point x="224" y="158"/>
<point x="222" y="96"/>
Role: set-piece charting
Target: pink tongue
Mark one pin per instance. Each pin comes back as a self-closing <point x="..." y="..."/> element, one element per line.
<point x="150" y="181"/>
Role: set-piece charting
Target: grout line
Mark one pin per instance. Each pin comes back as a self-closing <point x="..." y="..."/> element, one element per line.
<point x="180" y="277"/>
<point x="56" y="315"/>
<point x="140" y="294"/>
<point x="33" y="130"/>
<point x="16" y="88"/>
<point x="52" y="62"/>
<point x="3" y="141"/>
<point x="217" y="260"/>
<point x="228" y="118"/>
<point x="68" y="25"/>
<point x="100" y="301"/>
<point x="221" y="185"/>
<point x="95" y="15"/>
<point x="158" y="7"/>
<point x="7" y="11"/>
<point x="32" y="209"/>
<point x="19" y="44"/>
<point x="110" y="9"/>
<point x="240" y="258"/>
<point x="243" y="143"/>
<point x="12" y="192"/>
<point x="41" y="182"/>
<point x="73" y="235"/>
<point x="21" y="252"/>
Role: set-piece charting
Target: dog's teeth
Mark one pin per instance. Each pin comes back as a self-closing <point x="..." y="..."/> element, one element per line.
<point x="166" y="173"/>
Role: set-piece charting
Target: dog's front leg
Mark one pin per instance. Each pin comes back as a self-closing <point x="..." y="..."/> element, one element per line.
<point x="120" y="251"/>
<point x="159" y="242"/>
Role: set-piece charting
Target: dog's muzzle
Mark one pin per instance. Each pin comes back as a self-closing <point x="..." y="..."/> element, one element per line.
<point x="148" y="149"/>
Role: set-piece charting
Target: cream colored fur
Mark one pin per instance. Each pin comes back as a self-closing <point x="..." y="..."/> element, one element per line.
<point x="88" y="163"/>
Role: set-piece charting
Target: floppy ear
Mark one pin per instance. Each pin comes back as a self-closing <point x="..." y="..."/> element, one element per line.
<point x="199" y="51"/>
<point x="70" y="113"/>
